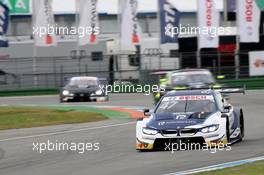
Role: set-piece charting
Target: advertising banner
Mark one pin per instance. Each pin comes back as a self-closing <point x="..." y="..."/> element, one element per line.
<point x="256" y="62"/>
<point x="248" y="21"/>
<point x="4" y="12"/>
<point x="129" y="25"/>
<point x="169" y="19"/>
<point x="44" y="23"/>
<point x="18" y="6"/>
<point x="88" y="21"/>
<point x="208" y="20"/>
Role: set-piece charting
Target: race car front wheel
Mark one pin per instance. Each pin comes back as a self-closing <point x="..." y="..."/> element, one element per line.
<point x="227" y="131"/>
<point x="242" y="127"/>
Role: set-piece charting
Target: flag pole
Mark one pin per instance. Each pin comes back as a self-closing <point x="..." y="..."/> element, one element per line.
<point x="237" y="61"/>
<point x="198" y="58"/>
<point x="34" y="64"/>
<point x="77" y="23"/>
<point x="159" y="37"/>
<point x="119" y="19"/>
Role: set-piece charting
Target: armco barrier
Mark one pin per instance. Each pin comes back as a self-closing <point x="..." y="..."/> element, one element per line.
<point x="250" y="83"/>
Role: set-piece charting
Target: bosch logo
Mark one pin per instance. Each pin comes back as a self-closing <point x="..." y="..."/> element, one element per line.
<point x="249" y="10"/>
<point x="209" y="12"/>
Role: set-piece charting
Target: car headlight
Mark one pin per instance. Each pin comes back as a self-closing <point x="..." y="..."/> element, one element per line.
<point x="99" y="92"/>
<point x="149" y="131"/>
<point x="208" y="129"/>
<point x="65" y="92"/>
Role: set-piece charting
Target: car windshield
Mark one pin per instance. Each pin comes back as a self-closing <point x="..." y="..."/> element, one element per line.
<point x="192" y="104"/>
<point x="83" y="82"/>
<point x="183" y="79"/>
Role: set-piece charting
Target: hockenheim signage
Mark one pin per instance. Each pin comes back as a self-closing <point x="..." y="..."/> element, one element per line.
<point x="18" y="6"/>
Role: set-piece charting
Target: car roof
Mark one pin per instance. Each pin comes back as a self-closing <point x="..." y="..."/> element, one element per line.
<point x="190" y="92"/>
<point x="191" y="70"/>
<point x="84" y="78"/>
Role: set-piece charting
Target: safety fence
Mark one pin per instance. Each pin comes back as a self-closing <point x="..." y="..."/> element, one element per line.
<point x="52" y="72"/>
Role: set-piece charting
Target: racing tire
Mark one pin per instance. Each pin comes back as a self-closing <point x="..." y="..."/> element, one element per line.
<point x="227" y="131"/>
<point x="242" y="127"/>
<point x="61" y="99"/>
<point x="105" y="99"/>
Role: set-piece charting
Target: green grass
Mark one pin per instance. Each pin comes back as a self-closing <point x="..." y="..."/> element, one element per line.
<point x="256" y="168"/>
<point x="27" y="117"/>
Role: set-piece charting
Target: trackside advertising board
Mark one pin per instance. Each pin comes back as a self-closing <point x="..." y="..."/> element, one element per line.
<point x="256" y="61"/>
<point x="18" y="6"/>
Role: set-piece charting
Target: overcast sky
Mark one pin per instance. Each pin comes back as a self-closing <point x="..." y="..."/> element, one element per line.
<point x="111" y="6"/>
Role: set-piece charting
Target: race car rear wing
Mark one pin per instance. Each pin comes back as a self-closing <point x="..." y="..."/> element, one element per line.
<point x="232" y="90"/>
<point x="223" y="90"/>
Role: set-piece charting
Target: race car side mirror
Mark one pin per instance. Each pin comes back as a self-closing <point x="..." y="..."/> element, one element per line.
<point x="146" y="112"/>
<point x="227" y="109"/>
<point x="224" y="116"/>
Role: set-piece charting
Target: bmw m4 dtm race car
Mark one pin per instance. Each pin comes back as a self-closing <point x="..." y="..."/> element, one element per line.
<point x="194" y="116"/>
<point x="84" y="88"/>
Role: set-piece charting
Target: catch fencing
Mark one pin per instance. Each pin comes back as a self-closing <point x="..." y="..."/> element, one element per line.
<point x="52" y="72"/>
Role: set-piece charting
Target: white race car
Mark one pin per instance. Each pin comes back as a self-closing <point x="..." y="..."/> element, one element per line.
<point x="193" y="116"/>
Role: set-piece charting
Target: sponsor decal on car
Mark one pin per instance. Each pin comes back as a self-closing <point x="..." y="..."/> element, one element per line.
<point x="189" y="97"/>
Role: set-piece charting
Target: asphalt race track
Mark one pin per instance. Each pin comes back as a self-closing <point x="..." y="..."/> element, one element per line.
<point x="117" y="155"/>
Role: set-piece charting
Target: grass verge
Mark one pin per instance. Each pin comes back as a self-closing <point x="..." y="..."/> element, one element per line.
<point x="26" y="117"/>
<point x="256" y="168"/>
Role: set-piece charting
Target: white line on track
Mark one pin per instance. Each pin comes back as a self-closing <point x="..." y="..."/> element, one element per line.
<point x="66" y="132"/>
<point x="218" y="166"/>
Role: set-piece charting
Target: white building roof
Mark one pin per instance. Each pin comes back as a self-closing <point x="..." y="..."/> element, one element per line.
<point x="145" y="6"/>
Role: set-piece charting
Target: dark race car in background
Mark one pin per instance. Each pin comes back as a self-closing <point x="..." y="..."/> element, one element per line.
<point x="186" y="79"/>
<point x="83" y="89"/>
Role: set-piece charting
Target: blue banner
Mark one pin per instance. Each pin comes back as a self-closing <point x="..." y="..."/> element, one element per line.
<point x="4" y="13"/>
<point x="169" y="22"/>
<point x="231" y="5"/>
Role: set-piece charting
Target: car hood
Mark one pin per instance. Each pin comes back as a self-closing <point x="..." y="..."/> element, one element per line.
<point x="76" y="89"/>
<point x="177" y="121"/>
